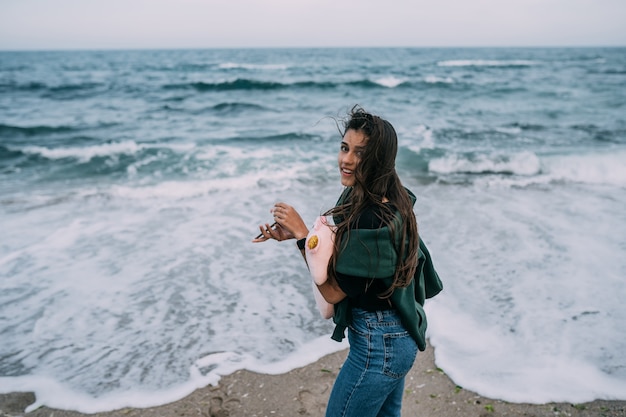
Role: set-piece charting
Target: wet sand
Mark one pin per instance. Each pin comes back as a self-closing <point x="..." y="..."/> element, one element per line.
<point x="304" y="392"/>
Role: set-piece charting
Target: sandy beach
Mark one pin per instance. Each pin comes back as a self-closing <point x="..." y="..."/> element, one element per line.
<point x="304" y="392"/>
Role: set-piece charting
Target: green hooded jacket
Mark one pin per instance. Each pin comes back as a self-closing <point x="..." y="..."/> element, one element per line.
<point x="370" y="253"/>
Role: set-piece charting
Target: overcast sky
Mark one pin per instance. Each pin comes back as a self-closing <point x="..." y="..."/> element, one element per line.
<point x="121" y="24"/>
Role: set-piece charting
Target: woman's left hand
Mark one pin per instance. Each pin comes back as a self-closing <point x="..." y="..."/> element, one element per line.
<point x="275" y="231"/>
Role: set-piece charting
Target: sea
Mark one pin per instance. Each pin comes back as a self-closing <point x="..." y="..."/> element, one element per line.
<point x="132" y="183"/>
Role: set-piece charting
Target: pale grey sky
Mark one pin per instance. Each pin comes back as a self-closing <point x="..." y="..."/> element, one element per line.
<point x="122" y="24"/>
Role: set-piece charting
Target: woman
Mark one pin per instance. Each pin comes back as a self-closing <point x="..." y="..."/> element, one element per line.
<point x="378" y="270"/>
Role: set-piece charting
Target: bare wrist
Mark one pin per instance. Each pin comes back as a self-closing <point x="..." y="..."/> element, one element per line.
<point x="301" y="235"/>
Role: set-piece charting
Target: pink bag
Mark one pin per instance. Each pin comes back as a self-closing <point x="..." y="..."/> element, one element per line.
<point x="318" y="250"/>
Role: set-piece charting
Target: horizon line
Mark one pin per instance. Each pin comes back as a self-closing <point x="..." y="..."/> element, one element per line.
<point x="189" y="48"/>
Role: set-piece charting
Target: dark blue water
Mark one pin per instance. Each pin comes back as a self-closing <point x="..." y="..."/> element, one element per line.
<point x="131" y="183"/>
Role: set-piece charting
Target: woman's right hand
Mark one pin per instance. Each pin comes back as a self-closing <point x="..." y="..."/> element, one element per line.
<point x="289" y="225"/>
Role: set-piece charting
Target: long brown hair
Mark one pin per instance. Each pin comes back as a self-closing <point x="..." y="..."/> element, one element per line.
<point x="375" y="180"/>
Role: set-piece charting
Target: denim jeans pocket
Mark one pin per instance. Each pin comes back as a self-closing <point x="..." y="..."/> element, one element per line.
<point x="400" y="353"/>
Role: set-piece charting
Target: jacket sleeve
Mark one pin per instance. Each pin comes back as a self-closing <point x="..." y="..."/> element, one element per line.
<point x="427" y="282"/>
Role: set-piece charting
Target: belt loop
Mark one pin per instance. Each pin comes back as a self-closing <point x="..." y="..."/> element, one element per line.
<point x="379" y="315"/>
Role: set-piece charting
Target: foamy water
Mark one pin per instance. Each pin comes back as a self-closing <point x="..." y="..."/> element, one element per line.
<point x="540" y="271"/>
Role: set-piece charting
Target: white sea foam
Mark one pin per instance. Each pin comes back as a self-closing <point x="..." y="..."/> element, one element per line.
<point x="389" y="81"/>
<point x="603" y="168"/>
<point x="433" y="79"/>
<point x="523" y="163"/>
<point x="85" y="154"/>
<point x="498" y="374"/>
<point x="528" y="321"/>
<point x="51" y="393"/>
<point x="513" y="130"/>
<point x="526" y="168"/>
<point x="187" y="189"/>
<point x="162" y="239"/>
<point x="417" y="139"/>
<point x="124" y="265"/>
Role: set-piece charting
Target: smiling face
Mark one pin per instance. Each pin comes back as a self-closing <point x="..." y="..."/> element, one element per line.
<point x="350" y="154"/>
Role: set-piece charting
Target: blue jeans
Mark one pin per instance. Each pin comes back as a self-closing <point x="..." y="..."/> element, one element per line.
<point x="371" y="381"/>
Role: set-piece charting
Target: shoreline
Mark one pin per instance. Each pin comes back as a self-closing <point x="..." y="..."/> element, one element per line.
<point x="304" y="392"/>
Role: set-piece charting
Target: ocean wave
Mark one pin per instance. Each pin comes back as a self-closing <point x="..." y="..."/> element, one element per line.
<point x="513" y="129"/>
<point x="390" y="81"/>
<point x="385" y="82"/>
<point x="238" y="84"/>
<point x="313" y="84"/>
<point x="31" y="86"/>
<point x="527" y="169"/>
<point x="600" y="134"/>
<point x="526" y="126"/>
<point x="141" y="151"/>
<point x="248" y="84"/>
<point x="189" y="189"/>
<point x="607" y="168"/>
<point x="614" y="71"/>
<point x="418" y="139"/>
<point x="514" y="63"/>
<point x="6" y="153"/>
<point x="179" y="67"/>
<point x="237" y="107"/>
<point x="11" y="130"/>
<point x="433" y="79"/>
<point x="50" y="91"/>
<point x="223" y="108"/>
<point x="253" y="67"/>
<point x="85" y="154"/>
<point x="290" y="136"/>
<point x="65" y="88"/>
<point x="524" y="163"/>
